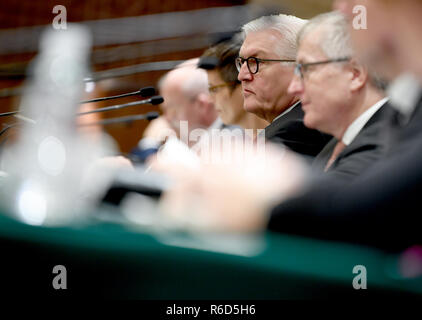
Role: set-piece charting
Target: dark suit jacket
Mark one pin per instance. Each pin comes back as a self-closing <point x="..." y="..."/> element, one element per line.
<point x="369" y="145"/>
<point x="381" y="208"/>
<point x="290" y="131"/>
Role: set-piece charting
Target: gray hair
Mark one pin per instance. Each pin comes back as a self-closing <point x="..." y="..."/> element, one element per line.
<point x="288" y="26"/>
<point x="335" y="41"/>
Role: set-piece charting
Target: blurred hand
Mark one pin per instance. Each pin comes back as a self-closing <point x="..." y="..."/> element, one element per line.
<point x="236" y="196"/>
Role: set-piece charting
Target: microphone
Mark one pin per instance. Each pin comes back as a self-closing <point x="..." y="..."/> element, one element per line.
<point x="144" y="92"/>
<point x="148" y="116"/>
<point x="153" y="100"/>
<point x="11" y="113"/>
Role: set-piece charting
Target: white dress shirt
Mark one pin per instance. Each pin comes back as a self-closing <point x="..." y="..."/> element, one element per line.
<point x="356" y="126"/>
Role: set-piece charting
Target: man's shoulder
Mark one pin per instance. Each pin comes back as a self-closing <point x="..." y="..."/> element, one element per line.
<point x="290" y="130"/>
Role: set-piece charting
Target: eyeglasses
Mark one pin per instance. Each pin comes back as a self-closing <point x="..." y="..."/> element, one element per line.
<point x="302" y="68"/>
<point x="214" y="89"/>
<point x="253" y="63"/>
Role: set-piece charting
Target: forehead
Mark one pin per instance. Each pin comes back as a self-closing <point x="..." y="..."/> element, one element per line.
<point x="260" y="42"/>
<point x="310" y="47"/>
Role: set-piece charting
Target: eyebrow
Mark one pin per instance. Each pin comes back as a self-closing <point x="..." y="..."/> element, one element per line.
<point x="255" y="53"/>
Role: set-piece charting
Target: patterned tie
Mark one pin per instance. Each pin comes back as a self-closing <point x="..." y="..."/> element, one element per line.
<point x="337" y="150"/>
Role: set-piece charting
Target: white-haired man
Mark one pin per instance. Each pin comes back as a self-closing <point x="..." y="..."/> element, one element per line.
<point x="339" y="97"/>
<point x="266" y="65"/>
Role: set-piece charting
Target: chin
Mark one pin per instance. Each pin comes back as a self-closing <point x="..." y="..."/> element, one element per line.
<point x="308" y="123"/>
<point x="251" y="108"/>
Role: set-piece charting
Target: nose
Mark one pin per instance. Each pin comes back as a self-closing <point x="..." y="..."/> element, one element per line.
<point x="296" y="86"/>
<point x="244" y="74"/>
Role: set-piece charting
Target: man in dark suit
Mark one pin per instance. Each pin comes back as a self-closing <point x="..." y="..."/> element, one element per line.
<point x="265" y="65"/>
<point x="339" y="97"/>
<point x="380" y="208"/>
<point x="370" y="145"/>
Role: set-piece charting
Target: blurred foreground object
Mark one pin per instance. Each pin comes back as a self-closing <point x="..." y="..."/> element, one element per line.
<point x="47" y="162"/>
<point x="233" y="195"/>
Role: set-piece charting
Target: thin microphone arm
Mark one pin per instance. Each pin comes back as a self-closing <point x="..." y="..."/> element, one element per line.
<point x="11" y="113"/>
<point x="154" y="100"/>
<point x="144" y="92"/>
<point x="148" y="116"/>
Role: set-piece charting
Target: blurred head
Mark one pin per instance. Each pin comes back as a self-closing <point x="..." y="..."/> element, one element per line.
<point x="224" y="87"/>
<point x="269" y="37"/>
<point x="186" y="97"/>
<point x="391" y="42"/>
<point x="331" y="84"/>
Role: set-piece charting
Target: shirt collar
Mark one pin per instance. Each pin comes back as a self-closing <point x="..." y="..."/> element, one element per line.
<point x="353" y="130"/>
<point x="286" y="111"/>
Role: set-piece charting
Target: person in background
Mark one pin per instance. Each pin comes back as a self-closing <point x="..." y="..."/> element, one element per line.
<point x="225" y="88"/>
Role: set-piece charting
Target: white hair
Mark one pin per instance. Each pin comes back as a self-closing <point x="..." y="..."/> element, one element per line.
<point x="288" y="26"/>
<point x="335" y="41"/>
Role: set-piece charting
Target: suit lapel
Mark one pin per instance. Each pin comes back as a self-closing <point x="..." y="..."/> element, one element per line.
<point x="274" y="127"/>
<point x="322" y="158"/>
<point x="362" y="138"/>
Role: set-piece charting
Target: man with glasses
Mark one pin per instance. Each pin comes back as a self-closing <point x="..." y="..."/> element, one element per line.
<point x="266" y="64"/>
<point x="339" y="98"/>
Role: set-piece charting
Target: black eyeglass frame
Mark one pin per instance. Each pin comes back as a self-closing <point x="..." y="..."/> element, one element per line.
<point x="239" y="62"/>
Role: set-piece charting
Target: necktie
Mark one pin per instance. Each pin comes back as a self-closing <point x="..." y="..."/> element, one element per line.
<point x="337" y="150"/>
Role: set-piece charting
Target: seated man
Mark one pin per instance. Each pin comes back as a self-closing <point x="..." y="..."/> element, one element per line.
<point x="265" y="63"/>
<point x="339" y="98"/>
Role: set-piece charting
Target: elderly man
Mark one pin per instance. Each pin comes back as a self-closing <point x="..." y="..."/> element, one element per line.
<point x="187" y="100"/>
<point x="187" y="107"/>
<point x="339" y="98"/>
<point x="379" y="208"/>
<point x="265" y="65"/>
